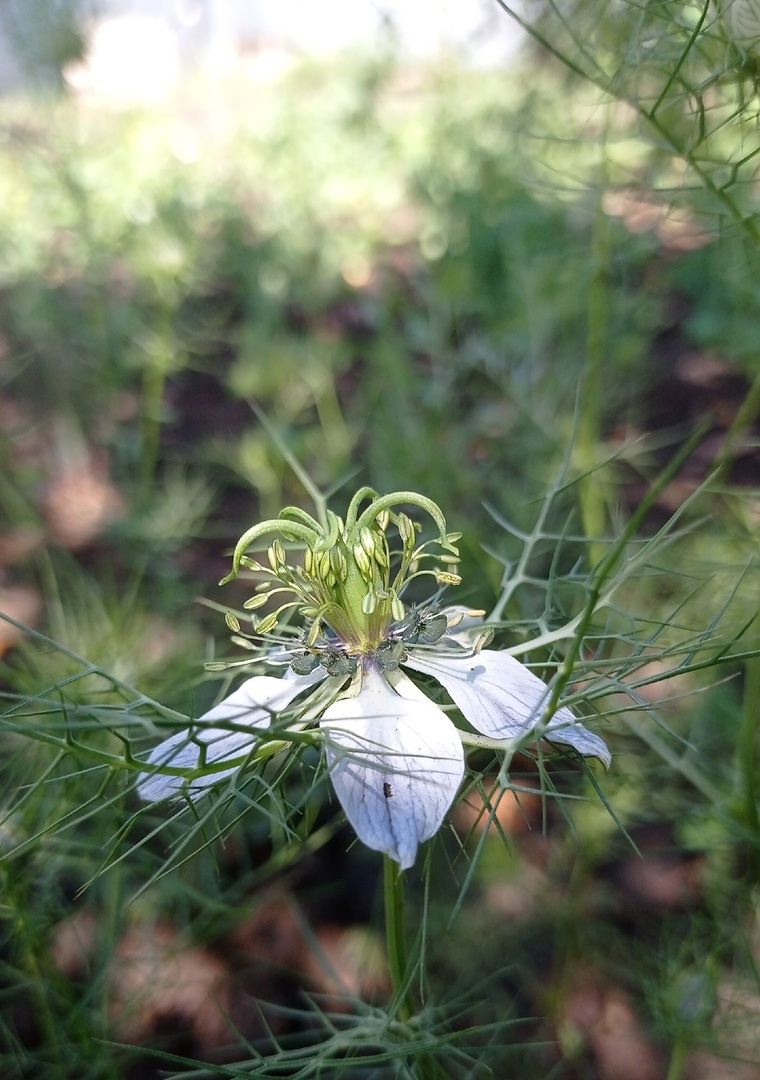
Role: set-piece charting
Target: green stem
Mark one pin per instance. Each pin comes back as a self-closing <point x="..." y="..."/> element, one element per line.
<point x="745" y="417"/>
<point x="593" y="509"/>
<point x="747" y="751"/>
<point x="395" y="935"/>
<point x="678" y="1057"/>
<point x="424" y="1065"/>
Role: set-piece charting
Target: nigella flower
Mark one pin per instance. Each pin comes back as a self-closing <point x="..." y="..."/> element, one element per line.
<point x="395" y="758"/>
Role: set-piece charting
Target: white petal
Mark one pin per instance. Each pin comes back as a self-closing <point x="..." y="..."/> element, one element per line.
<point x="396" y="766"/>
<point x="502" y="699"/>
<point x="251" y="705"/>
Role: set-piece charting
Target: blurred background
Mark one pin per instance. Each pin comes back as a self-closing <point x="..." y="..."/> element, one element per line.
<point x="509" y="263"/>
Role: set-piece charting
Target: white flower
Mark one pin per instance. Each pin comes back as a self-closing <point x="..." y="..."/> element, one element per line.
<point x="395" y="758"/>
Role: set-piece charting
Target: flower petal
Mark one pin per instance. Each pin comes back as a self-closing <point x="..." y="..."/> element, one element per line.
<point x="396" y="766"/>
<point x="502" y="699"/>
<point x="251" y="705"/>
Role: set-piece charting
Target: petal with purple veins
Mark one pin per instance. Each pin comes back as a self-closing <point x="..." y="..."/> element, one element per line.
<point x="251" y="706"/>
<point x="396" y="766"/>
<point x="502" y="699"/>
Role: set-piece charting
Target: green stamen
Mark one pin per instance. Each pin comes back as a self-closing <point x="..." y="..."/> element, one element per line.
<point x="342" y="582"/>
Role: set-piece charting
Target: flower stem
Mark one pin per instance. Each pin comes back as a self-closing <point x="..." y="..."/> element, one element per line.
<point x="424" y="1066"/>
<point x="395" y="935"/>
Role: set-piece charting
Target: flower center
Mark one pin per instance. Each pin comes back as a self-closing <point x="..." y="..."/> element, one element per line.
<point x="344" y="581"/>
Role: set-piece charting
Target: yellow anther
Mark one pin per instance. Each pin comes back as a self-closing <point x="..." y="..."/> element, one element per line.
<point x="255" y="602"/>
<point x="445" y="578"/>
<point x="308" y="562"/>
<point x="338" y="563"/>
<point x="244" y="643"/>
<point x="362" y="560"/>
<point x="367" y="540"/>
<point x="267" y="624"/>
<point x="405" y="527"/>
<point x="485" y="637"/>
<point x="324" y="565"/>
